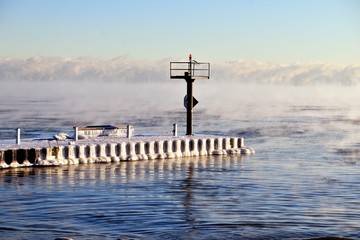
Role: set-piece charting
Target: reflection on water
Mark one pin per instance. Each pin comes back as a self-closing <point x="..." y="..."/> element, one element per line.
<point x="191" y="198"/>
<point x="114" y="173"/>
<point x="101" y="200"/>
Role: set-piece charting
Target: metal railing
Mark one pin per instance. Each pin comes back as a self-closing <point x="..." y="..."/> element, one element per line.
<point x="194" y="69"/>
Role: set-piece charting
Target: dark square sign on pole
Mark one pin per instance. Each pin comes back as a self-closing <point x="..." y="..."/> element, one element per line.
<point x="189" y="71"/>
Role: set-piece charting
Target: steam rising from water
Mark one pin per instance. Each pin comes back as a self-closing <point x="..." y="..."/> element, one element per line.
<point x="96" y="102"/>
<point x="57" y="92"/>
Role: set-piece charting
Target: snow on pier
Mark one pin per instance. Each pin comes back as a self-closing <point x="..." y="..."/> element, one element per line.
<point x="115" y="149"/>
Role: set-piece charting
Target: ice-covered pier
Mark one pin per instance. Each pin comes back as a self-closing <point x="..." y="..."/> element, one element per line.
<point x="115" y="149"/>
<point x="109" y="143"/>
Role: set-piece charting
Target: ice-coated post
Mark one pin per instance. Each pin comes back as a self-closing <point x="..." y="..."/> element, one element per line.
<point x="175" y="131"/>
<point x="18" y="136"/>
<point x="128" y="131"/>
<point x="76" y="135"/>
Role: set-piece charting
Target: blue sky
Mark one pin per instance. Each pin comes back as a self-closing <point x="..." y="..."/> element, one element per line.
<point x="275" y="31"/>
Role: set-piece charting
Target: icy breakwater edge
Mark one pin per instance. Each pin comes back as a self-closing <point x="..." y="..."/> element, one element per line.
<point x="115" y="149"/>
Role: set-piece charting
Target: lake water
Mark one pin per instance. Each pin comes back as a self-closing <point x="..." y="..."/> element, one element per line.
<point x="303" y="182"/>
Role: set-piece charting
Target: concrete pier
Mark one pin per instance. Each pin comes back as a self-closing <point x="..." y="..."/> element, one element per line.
<point x="120" y="149"/>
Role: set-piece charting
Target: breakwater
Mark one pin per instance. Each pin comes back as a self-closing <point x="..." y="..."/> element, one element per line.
<point x="118" y="149"/>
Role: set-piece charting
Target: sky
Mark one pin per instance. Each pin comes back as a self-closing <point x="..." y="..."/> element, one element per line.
<point x="277" y="31"/>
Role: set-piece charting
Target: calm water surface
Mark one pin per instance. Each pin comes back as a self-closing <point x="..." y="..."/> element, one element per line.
<point x="302" y="183"/>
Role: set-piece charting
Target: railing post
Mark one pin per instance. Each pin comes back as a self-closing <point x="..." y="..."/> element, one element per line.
<point x="128" y="131"/>
<point x="76" y="135"/>
<point x="175" y="131"/>
<point x="18" y="136"/>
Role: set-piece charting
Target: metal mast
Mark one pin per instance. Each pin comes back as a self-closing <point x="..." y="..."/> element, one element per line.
<point x="202" y="70"/>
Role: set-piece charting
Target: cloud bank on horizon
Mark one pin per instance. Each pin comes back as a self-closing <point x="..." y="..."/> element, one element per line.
<point x="125" y="69"/>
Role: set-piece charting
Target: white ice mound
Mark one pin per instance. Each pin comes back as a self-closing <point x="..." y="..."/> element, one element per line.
<point x="61" y="136"/>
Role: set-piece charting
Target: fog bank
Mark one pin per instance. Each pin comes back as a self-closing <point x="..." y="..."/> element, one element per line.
<point x="125" y="69"/>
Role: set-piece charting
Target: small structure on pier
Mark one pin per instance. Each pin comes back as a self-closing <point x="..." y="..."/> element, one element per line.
<point x="104" y="130"/>
<point x="189" y="71"/>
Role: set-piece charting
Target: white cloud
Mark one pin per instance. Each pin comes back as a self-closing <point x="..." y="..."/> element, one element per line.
<point x="128" y="70"/>
<point x="55" y="68"/>
<point x="293" y="74"/>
